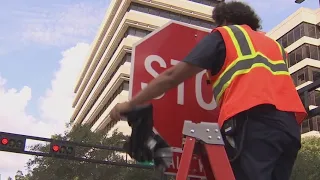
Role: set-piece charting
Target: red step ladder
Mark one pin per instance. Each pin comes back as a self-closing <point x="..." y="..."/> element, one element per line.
<point x="205" y="139"/>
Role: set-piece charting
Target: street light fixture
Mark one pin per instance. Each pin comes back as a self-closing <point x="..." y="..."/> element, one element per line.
<point x="299" y="1"/>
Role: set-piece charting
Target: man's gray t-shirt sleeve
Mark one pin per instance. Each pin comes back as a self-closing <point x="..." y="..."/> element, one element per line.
<point x="209" y="53"/>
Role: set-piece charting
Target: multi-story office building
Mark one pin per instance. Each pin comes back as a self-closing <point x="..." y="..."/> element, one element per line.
<point x="299" y="34"/>
<point x="104" y="80"/>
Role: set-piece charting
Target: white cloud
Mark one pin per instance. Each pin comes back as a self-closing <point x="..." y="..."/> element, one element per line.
<point x="57" y="103"/>
<point x="55" y="107"/>
<point x="61" y="24"/>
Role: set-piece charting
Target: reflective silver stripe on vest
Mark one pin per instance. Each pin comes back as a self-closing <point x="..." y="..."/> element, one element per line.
<point x="245" y="65"/>
<point x="243" y="43"/>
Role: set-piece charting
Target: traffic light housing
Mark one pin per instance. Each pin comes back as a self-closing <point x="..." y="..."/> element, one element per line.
<point x="62" y="149"/>
<point x="12" y="142"/>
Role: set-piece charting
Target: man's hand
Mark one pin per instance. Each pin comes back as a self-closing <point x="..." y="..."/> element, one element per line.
<point x="119" y="109"/>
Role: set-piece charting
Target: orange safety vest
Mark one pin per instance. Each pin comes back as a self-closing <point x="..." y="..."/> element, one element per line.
<point x="255" y="72"/>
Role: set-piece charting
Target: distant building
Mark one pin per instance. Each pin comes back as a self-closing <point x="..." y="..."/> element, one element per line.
<point x="104" y="80"/>
<point x="299" y="34"/>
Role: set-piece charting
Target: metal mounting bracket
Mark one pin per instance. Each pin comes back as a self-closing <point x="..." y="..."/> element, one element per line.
<point x="209" y="133"/>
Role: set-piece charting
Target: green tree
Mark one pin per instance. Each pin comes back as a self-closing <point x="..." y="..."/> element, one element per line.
<point x="307" y="165"/>
<point x="19" y="176"/>
<point x="40" y="168"/>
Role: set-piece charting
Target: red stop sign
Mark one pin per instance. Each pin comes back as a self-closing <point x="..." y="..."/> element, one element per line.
<point x="192" y="100"/>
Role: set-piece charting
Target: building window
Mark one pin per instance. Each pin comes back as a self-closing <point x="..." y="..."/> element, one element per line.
<point x="301" y="76"/>
<point x="298" y="53"/>
<point x="318" y="123"/>
<point x="303" y="29"/>
<point x="212" y="3"/>
<point x="290" y="37"/>
<point x="314" y="52"/>
<point x="136" y="32"/>
<point x="317" y="98"/>
<point x="302" y="52"/>
<point x="171" y="15"/>
<point x="310" y="30"/>
<point x="123" y="86"/>
<point x="312" y="124"/>
<point x="130" y="31"/>
<point x="318" y="31"/>
<point x="316" y="74"/>
<point x="305" y="127"/>
<point x="305" y="74"/>
<point x="126" y="58"/>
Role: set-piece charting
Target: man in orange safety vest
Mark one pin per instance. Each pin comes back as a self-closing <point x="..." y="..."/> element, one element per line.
<point x="261" y="111"/>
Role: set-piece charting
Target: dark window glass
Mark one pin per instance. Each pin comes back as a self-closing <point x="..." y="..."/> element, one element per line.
<point x="292" y="59"/>
<point x="165" y="14"/>
<point x="305" y="126"/>
<point x="290" y="37"/>
<point x="303" y="29"/>
<point x="314" y="52"/>
<point x="301" y="76"/>
<point x="318" y="123"/>
<point x="280" y="40"/>
<point x="175" y="16"/>
<point x="285" y="41"/>
<point x="126" y="86"/>
<point x="316" y="74"/>
<point x="317" y="98"/>
<point x="305" y="74"/>
<point x="126" y="58"/>
<point x="130" y="31"/>
<point x="311" y="124"/>
<point x="153" y="11"/>
<point x="186" y="19"/>
<point x="123" y="86"/>
<point x="297" y="32"/>
<point x="171" y="15"/>
<point x="136" y="32"/>
<point x="298" y="53"/>
<point x="311" y="29"/>
<point x="305" y="51"/>
<point x="302" y="52"/>
<point x="318" y="31"/>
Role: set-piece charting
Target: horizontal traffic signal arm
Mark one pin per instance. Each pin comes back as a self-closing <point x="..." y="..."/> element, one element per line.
<point x="12" y="143"/>
<point x="54" y="142"/>
<point x="304" y="93"/>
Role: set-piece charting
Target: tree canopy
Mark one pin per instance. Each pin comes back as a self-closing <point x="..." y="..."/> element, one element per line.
<point x="307" y="165"/>
<point x="40" y="168"/>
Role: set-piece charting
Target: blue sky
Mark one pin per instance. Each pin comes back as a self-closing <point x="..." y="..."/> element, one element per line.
<point x="28" y="58"/>
<point x="43" y="45"/>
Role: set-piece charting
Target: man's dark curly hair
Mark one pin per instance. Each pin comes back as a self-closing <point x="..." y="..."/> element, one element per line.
<point x="235" y="12"/>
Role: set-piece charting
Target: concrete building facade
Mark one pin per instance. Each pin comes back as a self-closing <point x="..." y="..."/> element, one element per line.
<point x="299" y="34"/>
<point x="104" y="80"/>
